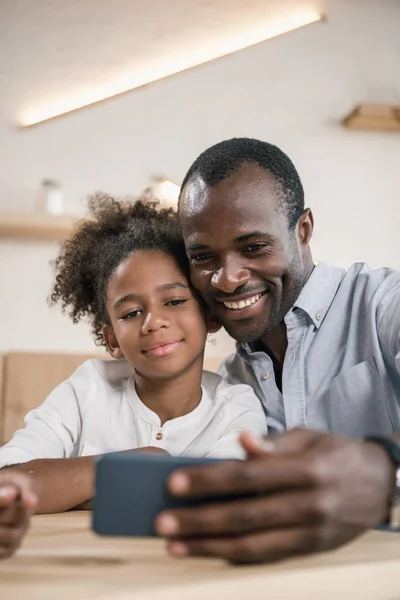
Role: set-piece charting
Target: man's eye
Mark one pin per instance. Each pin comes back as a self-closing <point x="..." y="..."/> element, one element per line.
<point x="176" y="302"/>
<point x="132" y="314"/>
<point x="200" y="257"/>
<point x="252" y="248"/>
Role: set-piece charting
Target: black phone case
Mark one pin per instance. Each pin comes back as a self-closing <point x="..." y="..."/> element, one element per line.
<point x="131" y="490"/>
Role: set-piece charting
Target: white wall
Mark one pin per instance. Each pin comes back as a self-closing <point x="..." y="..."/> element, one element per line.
<point x="291" y="91"/>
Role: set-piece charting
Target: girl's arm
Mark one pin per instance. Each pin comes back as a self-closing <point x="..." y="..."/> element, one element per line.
<point x="66" y="483"/>
<point x="62" y="483"/>
<point x="41" y="450"/>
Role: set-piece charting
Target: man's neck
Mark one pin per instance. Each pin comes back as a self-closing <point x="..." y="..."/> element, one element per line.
<point x="174" y="397"/>
<point x="275" y="342"/>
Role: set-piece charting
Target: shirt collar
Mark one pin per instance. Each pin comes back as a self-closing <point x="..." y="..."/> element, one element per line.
<point x="319" y="291"/>
<point x="197" y="415"/>
<point x="315" y="298"/>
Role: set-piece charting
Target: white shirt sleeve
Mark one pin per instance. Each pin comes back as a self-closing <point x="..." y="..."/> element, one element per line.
<point x="51" y="431"/>
<point x="242" y="411"/>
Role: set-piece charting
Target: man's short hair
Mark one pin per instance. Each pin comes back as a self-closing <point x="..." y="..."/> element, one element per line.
<point x="222" y="160"/>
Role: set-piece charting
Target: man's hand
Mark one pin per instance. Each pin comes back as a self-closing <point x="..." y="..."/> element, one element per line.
<point x="315" y="492"/>
<point x="17" y="502"/>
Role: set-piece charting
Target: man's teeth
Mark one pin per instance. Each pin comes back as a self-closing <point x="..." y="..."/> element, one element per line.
<point x="242" y="303"/>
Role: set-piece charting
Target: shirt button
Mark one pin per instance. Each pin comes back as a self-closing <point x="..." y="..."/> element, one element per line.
<point x="159" y="436"/>
<point x="266" y="376"/>
<point x="318" y="316"/>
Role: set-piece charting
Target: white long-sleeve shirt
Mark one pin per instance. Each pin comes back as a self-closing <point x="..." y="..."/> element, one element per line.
<point x="97" y="410"/>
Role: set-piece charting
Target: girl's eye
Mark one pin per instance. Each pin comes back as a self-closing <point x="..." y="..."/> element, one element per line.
<point x="132" y="314"/>
<point x="176" y="302"/>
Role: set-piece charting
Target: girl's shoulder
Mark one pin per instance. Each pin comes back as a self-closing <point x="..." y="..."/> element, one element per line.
<point x="219" y="388"/>
<point x="100" y="373"/>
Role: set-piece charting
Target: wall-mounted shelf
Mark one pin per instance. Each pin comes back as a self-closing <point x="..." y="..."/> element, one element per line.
<point x="36" y="226"/>
<point x="374" y="117"/>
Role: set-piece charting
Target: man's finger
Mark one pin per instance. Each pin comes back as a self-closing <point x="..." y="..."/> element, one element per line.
<point x="274" y="472"/>
<point x="296" y="440"/>
<point x="255" y="548"/>
<point x="244" y="516"/>
<point x="256" y="446"/>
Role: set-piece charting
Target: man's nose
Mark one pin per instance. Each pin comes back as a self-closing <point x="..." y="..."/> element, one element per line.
<point x="231" y="275"/>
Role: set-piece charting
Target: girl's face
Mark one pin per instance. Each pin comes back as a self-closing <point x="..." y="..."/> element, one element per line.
<point x="157" y="323"/>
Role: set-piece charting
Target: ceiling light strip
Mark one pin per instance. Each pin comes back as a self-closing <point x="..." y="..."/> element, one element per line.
<point x="150" y="74"/>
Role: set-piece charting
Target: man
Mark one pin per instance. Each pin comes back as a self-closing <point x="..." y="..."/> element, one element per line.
<point x="321" y="347"/>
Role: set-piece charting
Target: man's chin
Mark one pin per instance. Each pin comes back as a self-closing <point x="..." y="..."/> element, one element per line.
<point x="244" y="332"/>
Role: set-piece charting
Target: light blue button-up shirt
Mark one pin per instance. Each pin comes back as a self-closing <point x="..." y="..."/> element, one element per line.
<point x="342" y="365"/>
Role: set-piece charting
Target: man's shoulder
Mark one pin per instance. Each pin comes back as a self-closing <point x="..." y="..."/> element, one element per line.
<point x="357" y="275"/>
<point x="362" y="271"/>
<point x="369" y="282"/>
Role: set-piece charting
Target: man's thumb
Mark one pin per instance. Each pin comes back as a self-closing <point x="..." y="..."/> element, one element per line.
<point x="289" y="442"/>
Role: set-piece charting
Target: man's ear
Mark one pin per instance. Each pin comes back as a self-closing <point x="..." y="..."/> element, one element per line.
<point x="112" y="345"/>
<point x="213" y="325"/>
<point x="306" y="227"/>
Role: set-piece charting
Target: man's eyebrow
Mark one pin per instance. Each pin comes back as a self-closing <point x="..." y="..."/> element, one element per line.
<point x="242" y="238"/>
<point x="161" y="288"/>
<point x="191" y="247"/>
<point x="255" y="234"/>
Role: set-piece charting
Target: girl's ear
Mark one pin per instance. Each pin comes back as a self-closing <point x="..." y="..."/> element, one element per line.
<point x="111" y="341"/>
<point x="213" y="325"/>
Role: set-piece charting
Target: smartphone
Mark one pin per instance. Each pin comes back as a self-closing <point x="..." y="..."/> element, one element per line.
<point x="131" y="490"/>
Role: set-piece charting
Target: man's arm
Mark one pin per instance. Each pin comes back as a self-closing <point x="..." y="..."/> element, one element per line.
<point x="388" y="323"/>
<point x="315" y="492"/>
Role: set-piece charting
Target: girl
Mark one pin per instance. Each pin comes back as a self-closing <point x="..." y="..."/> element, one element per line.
<point x="126" y="270"/>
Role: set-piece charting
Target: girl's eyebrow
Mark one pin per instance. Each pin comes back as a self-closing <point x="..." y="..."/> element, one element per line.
<point x="162" y="288"/>
<point x="172" y="286"/>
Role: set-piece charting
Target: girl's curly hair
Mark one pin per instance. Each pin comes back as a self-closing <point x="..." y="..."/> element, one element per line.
<point x="114" y="230"/>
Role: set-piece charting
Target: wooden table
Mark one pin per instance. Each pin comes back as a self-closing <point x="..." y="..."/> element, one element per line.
<point x="62" y="559"/>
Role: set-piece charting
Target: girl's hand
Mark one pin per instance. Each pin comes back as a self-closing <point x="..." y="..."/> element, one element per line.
<point x="18" y="500"/>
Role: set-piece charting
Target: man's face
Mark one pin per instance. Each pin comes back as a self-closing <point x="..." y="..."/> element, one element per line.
<point x="244" y="260"/>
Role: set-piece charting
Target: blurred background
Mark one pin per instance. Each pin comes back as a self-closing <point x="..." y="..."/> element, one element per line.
<point x="198" y="71"/>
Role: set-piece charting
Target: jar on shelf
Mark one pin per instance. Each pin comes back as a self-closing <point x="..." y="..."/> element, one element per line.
<point x="51" y="197"/>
